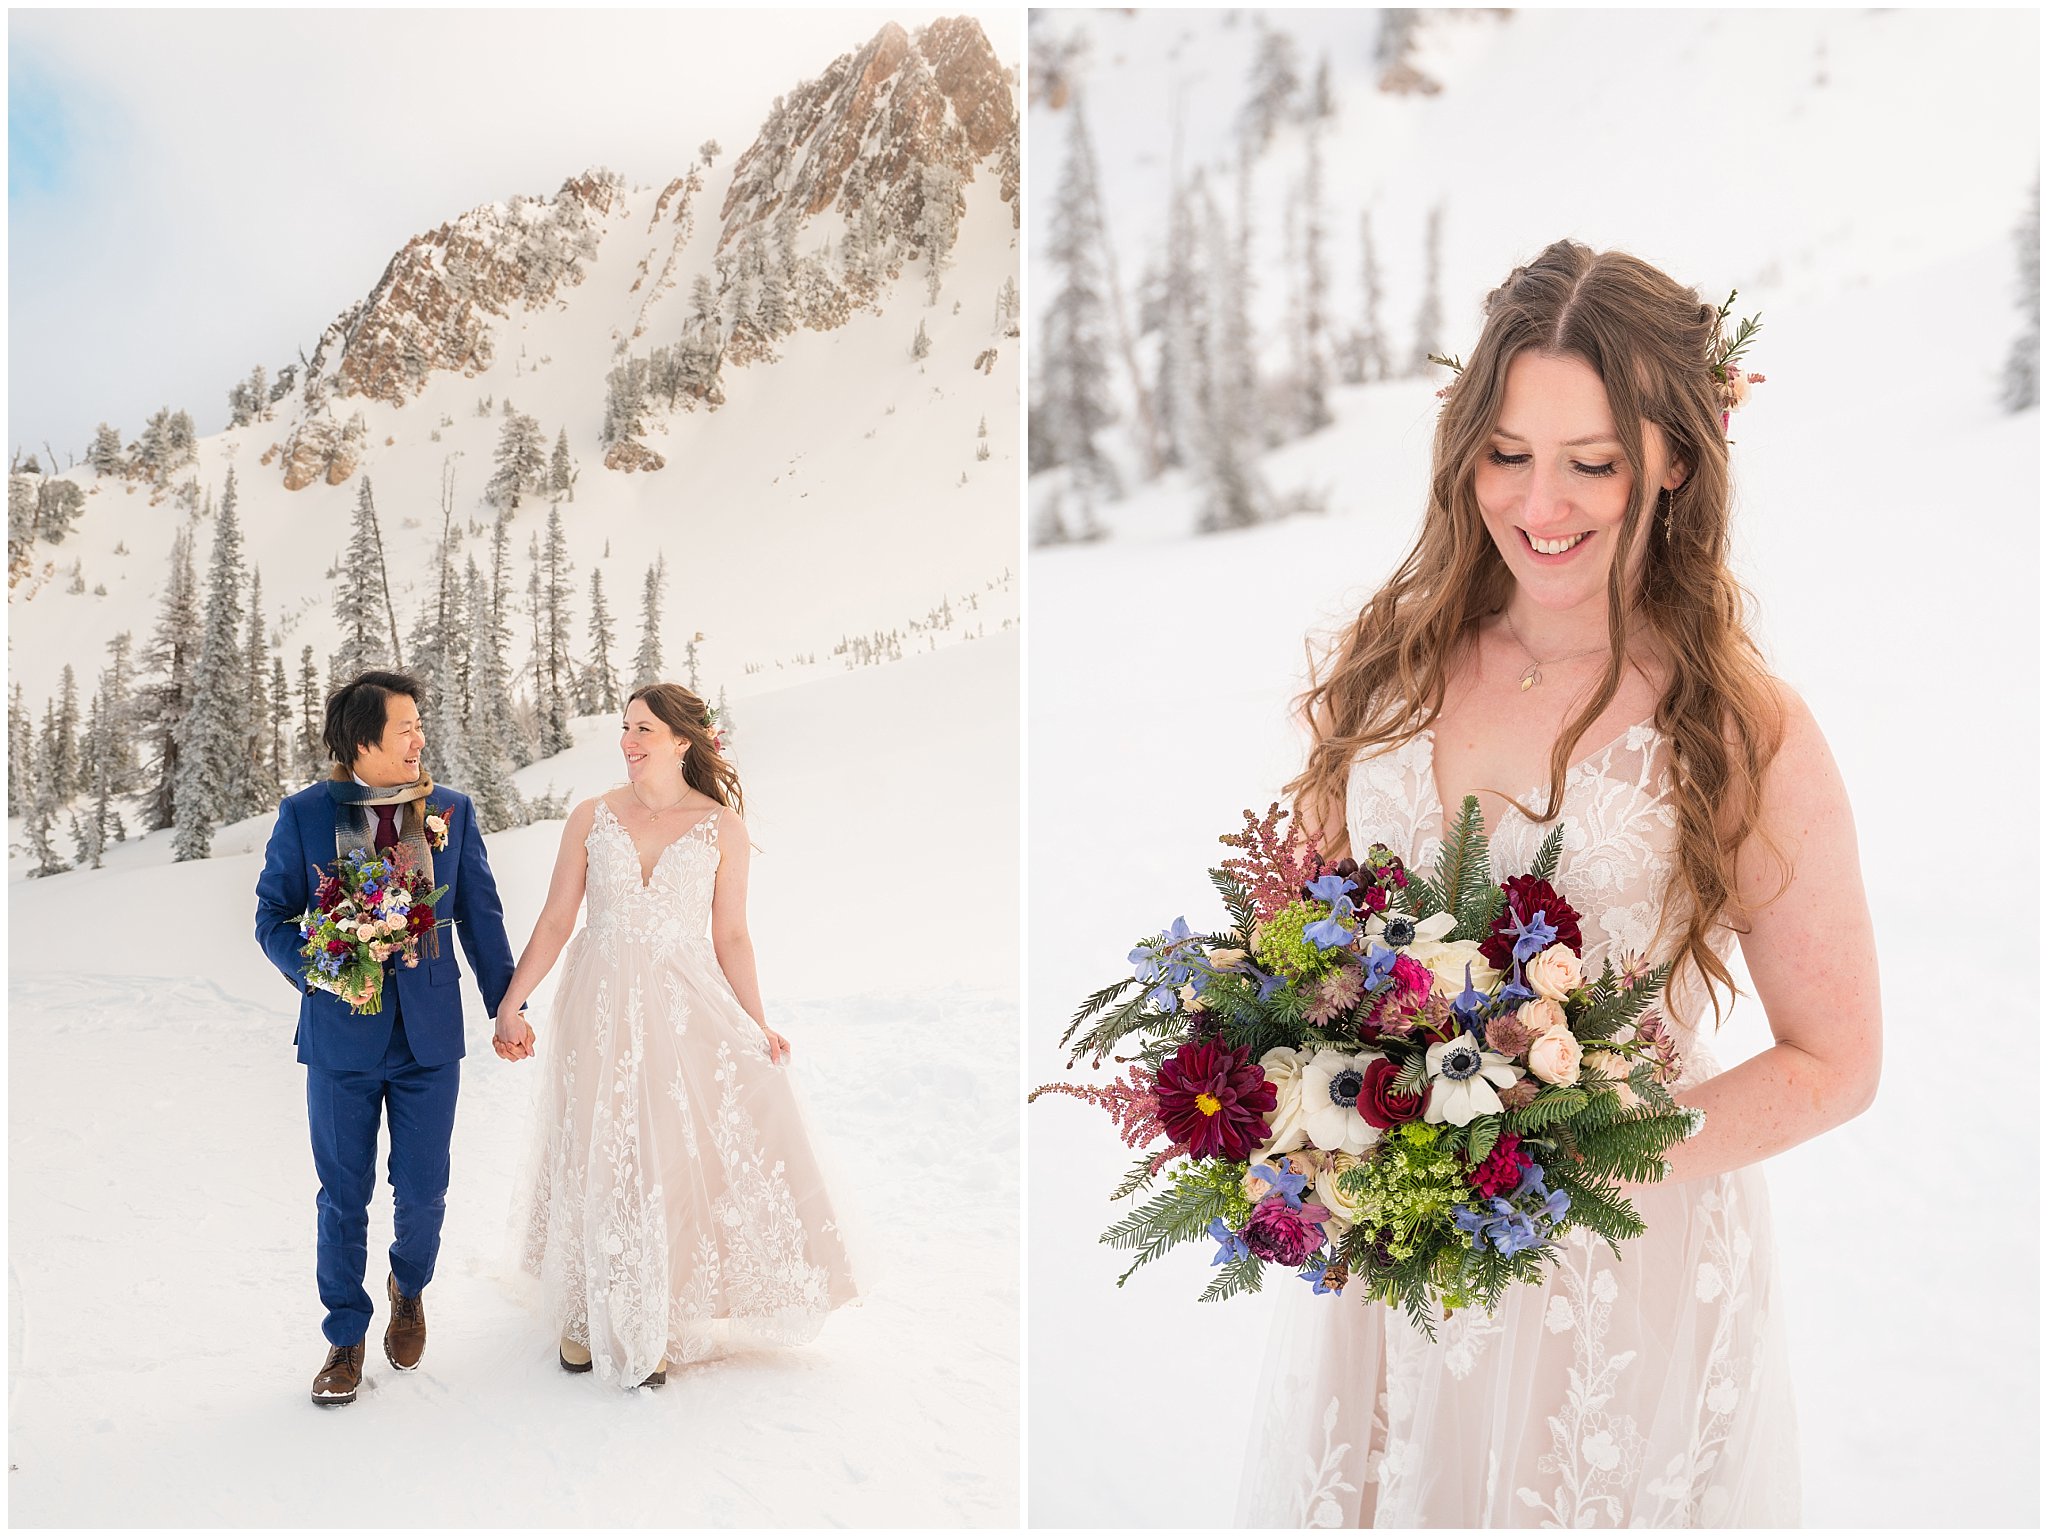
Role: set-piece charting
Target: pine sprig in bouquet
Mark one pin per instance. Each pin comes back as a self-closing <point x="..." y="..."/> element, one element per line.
<point x="1398" y="1082"/>
<point x="365" y="911"/>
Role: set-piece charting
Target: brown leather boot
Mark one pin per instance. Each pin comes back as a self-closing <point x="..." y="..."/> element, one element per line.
<point x="574" y="1357"/>
<point x="405" y="1337"/>
<point x="658" y="1377"/>
<point x="340" y="1377"/>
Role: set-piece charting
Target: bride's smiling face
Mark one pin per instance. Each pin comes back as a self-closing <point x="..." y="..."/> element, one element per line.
<point x="1553" y="486"/>
<point x="651" y="749"/>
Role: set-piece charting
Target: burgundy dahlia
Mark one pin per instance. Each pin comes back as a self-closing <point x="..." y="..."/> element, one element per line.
<point x="1528" y="896"/>
<point x="1214" y="1100"/>
<point x="1279" y="1233"/>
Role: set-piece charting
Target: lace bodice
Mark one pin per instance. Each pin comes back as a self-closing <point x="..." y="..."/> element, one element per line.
<point x="671" y="908"/>
<point x="1620" y="830"/>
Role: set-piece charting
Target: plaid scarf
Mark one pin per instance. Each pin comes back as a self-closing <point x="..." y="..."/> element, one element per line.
<point x="355" y="823"/>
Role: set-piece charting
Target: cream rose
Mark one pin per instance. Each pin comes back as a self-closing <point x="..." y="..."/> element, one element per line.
<point x="1447" y="961"/>
<point x="1554" y="1056"/>
<point x="1287" y="1128"/>
<point x="1611" y="1068"/>
<point x="1226" y="957"/>
<point x="1343" y="1208"/>
<point x="1192" y="1001"/>
<point x="1553" y="973"/>
<point x="1541" y="1016"/>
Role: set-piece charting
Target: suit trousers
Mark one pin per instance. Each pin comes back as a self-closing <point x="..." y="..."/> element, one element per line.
<point x="344" y="1110"/>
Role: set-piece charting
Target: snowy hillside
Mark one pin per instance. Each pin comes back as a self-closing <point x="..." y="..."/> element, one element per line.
<point x="1853" y="213"/>
<point x="164" y="1324"/>
<point x="841" y="486"/>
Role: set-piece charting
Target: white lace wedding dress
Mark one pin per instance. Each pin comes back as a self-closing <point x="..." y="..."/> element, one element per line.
<point x="676" y="1206"/>
<point x="1645" y="1391"/>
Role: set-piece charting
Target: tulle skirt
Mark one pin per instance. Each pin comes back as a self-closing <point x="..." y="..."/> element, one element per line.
<point x="1650" y="1391"/>
<point x="677" y="1208"/>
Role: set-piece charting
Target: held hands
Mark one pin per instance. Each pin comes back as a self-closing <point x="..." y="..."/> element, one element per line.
<point x="778" y="1045"/>
<point x="514" y="1038"/>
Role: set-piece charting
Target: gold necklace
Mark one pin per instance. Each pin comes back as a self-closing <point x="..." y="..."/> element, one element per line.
<point x="656" y="811"/>
<point x="1533" y="673"/>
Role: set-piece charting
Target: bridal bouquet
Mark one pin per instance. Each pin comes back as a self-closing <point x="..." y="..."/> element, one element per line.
<point x="365" y="911"/>
<point x="1375" y="1078"/>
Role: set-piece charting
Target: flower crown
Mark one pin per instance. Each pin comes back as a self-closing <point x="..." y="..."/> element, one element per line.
<point x="1730" y="383"/>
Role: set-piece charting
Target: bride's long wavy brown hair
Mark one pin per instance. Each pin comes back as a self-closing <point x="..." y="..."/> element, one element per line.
<point x="704" y="768"/>
<point x="1382" y="680"/>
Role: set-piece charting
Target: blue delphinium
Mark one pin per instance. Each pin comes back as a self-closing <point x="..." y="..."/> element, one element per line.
<point x="1317" y="1275"/>
<point x="1334" y="931"/>
<point x="330" y="963"/>
<point x="1232" y="1245"/>
<point x="1286" y="1184"/>
<point x="1520" y="1220"/>
<point x="1163" y="967"/>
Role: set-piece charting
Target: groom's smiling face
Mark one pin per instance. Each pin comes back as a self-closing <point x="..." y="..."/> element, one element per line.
<point x="394" y="760"/>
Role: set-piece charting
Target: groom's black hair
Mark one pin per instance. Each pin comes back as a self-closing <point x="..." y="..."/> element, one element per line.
<point x="356" y="712"/>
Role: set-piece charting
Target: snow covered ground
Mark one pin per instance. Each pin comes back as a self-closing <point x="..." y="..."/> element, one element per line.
<point x="1887" y="522"/>
<point x="164" y="1328"/>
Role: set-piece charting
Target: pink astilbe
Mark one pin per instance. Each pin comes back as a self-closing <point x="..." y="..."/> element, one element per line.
<point x="1275" y="864"/>
<point x="1132" y="1102"/>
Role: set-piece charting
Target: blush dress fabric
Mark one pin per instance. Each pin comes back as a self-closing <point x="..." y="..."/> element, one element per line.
<point x="1645" y="1391"/>
<point x="677" y="1208"/>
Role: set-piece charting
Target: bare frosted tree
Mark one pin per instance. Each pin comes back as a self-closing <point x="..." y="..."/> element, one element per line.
<point x="2022" y="389"/>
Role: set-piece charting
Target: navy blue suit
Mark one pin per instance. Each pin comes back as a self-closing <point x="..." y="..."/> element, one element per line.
<point x="403" y="1062"/>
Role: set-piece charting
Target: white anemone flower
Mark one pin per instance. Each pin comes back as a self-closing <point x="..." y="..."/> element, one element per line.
<point x="1330" y="1081"/>
<point x="1462" y="1075"/>
<point x="1414" y="935"/>
<point x="1422" y="939"/>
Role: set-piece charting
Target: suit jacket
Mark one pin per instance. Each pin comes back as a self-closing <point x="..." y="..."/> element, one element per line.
<point x="331" y="1034"/>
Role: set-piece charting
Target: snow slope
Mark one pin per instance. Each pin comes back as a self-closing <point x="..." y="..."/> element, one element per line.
<point x="1886" y="523"/>
<point x="164" y="1326"/>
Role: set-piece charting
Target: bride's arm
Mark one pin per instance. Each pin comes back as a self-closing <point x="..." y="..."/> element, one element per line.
<point x="730" y="941"/>
<point x="1813" y="959"/>
<point x="551" y="931"/>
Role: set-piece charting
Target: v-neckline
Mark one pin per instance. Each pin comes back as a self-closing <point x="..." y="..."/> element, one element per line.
<point x="647" y="874"/>
<point x="1443" y="816"/>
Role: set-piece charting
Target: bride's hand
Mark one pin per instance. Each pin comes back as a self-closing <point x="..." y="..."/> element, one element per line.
<point x="514" y="1038"/>
<point x="778" y="1045"/>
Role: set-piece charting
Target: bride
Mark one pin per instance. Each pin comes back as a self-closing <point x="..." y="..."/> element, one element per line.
<point x="677" y="1211"/>
<point x="1567" y="622"/>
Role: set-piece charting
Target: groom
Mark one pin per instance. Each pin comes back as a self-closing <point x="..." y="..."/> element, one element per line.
<point x="402" y="1063"/>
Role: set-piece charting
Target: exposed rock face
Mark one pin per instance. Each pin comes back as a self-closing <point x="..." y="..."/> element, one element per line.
<point x="869" y="124"/>
<point x="432" y="308"/>
<point x="322" y="449"/>
<point x="631" y="455"/>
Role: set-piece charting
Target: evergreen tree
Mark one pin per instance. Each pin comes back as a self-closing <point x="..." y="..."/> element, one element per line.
<point x="41" y="827"/>
<point x="283" y="758"/>
<point x="105" y="454"/>
<point x="2022" y="386"/>
<point x="20" y="751"/>
<point x="58" y="502"/>
<point x="312" y="751"/>
<point x="117" y="682"/>
<point x="647" y="660"/>
<point x="1179" y="320"/>
<point x="938" y="223"/>
<point x="493" y="683"/>
<point x="600" y="678"/>
<point x="211" y="742"/>
<point x="1075" y="395"/>
<point x="1368" y="353"/>
<point x="166" y="699"/>
<point x="556" y="682"/>
<point x="1313" y="390"/>
<point x="521" y="460"/>
<point x="440" y="655"/>
<point x="1232" y="428"/>
<point x="920" y="344"/>
<point x="561" y="470"/>
<point x="487" y="766"/>
<point x="1275" y="84"/>
<point x="261" y="784"/>
<point x="65" y="761"/>
<point x="89" y="831"/>
<point x="362" y="609"/>
<point x="21" y="525"/>
<point x="1429" y="319"/>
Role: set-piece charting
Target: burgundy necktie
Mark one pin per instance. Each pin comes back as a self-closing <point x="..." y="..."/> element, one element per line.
<point x="387" y="828"/>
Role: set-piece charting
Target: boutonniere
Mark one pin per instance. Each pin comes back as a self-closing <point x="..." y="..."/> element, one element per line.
<point x="436" y="825"/>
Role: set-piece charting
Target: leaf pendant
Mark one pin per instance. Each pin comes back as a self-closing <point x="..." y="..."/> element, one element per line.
<point x="1532" y="676"/>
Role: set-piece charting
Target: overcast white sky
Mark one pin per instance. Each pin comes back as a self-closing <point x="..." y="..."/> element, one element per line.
<point x="194" y="192"/>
